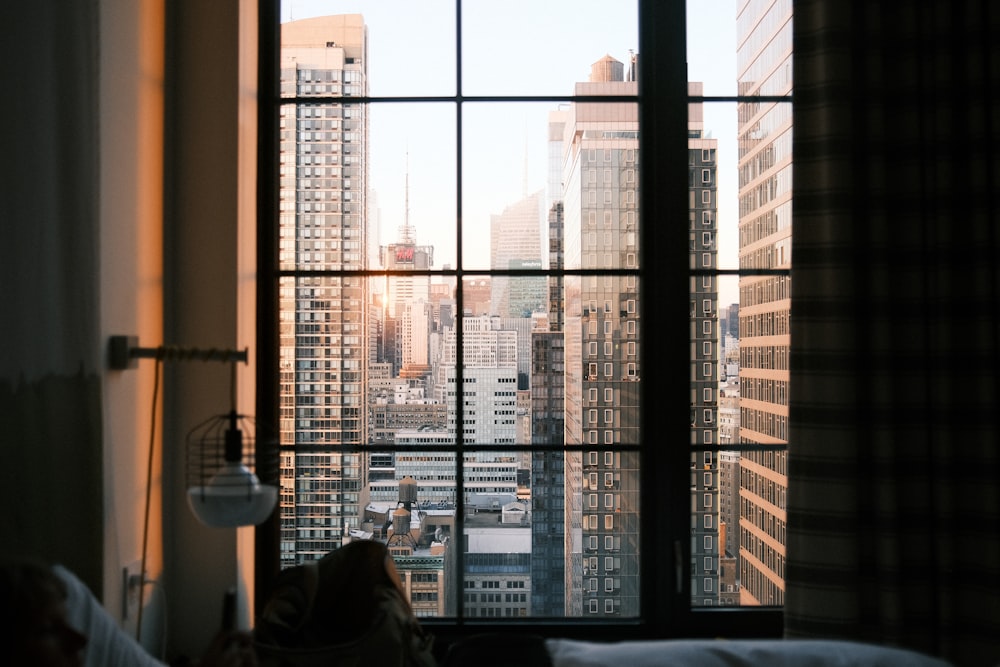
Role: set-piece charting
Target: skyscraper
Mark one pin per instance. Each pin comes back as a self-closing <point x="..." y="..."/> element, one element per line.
<point x="600" y="209"/>
<point x="602" y="341"/>
<point x="324" y="320"/>
<point x="548" y="502"/>
<point x="703" y="235"/>
<point x="764" y="67"/>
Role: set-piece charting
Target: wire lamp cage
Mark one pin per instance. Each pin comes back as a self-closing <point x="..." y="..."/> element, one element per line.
<point x="224" y="470"/>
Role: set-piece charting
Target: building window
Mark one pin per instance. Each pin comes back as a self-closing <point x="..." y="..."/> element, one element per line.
<point x="358" y="296"/>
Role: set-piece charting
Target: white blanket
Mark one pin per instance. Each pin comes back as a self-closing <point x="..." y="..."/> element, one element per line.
<point x="732" y="653"/>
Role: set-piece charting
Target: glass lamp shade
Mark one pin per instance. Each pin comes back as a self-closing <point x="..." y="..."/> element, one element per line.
<point x="233" y="497"/>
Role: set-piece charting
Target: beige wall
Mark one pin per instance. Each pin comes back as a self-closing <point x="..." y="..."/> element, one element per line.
<point x="210" y="284"/>
<point x="131" y="124"/>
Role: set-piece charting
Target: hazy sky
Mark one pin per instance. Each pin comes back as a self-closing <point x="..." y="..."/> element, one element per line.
<point x="515" y="47"/>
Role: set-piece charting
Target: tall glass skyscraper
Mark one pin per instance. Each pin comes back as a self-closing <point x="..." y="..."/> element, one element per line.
<point x="764" y="67"/>
<point x="600" y="207"/>
<point x="602" y="346"/>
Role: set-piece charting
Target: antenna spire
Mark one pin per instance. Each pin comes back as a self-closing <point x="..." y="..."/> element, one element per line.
<point x="406" y="231"/>
<point x="524" y="182"/>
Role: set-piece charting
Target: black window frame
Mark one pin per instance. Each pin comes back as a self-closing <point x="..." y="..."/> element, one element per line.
<point x="666" y="609"/>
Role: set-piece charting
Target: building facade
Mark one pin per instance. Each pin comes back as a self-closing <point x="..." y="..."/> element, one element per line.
<point x="324" y="320"/>
<point x="705" y="356"/>
<point x="548" y="563"/>
<point x="764" y="67"/>
<point x="601" y="327"/>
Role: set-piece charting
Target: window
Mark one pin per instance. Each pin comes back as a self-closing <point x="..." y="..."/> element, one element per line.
<point x="441" y="317"/>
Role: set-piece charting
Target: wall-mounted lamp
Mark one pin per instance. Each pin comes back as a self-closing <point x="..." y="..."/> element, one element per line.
<point x="223" y="490"/>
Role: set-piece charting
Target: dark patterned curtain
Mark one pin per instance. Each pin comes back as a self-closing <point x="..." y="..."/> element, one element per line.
<point x="894" y="490"/>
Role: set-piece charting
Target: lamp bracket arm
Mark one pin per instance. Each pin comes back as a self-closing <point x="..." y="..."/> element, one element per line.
<point x="124" y="353"/>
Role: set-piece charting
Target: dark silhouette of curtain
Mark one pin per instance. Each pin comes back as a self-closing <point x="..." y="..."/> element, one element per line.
<point x="51" y="467"/>
<point x="894" y="454"/>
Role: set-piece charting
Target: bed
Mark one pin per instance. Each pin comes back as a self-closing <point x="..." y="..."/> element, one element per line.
<point x="516" y="650"/>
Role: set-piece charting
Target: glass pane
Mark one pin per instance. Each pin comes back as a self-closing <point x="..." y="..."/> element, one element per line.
<point x="409" y="46"/>
<point x="323" y="195"/>
<point x="712" y="43"/>
<point x="575" y="161"/>
<point x="551" y="534"/>
<point x="718" y="205"/>
<point x="504" y="186"/>
<point x="764" y="51"/>
<point x="521" y="47"/>
<point x="358" y="181"/>
<point x="413" y="187"/>
<point x="412" y="509"/>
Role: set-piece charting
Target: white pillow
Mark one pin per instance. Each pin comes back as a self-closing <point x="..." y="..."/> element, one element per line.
<point x="732" y="653"/>
<point x="107" y="644"/>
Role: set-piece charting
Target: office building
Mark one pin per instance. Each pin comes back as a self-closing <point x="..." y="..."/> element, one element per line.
<point x="764" y="67"/>
<point x="497" y="581"/>
<point x="599" y="143"/>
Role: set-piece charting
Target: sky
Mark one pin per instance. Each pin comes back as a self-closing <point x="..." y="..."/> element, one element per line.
<point x="515" y="47"/>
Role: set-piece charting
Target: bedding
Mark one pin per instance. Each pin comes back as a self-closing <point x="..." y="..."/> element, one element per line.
<point x="733" y="653"/>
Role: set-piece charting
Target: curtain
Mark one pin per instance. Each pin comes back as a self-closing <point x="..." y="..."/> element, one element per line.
<point x="51" y="468"/>
<point x="894" y="452"/>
